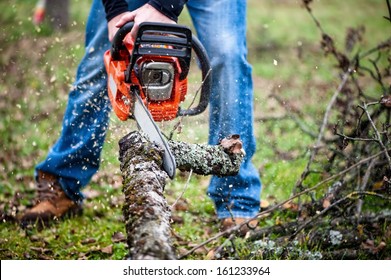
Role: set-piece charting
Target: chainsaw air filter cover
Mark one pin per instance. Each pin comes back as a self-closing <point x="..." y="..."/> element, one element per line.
<point x="157" y="79"/>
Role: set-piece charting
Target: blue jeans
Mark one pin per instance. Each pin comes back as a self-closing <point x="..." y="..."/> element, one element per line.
<point x="221" y="27"/>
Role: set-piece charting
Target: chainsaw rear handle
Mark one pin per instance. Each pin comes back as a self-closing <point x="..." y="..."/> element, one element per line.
<point x="149" y="37"/>
<point x="206" y="80"/>
<point x="149" y="41"/>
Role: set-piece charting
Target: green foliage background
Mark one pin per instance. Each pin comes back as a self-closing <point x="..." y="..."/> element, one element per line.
<point x="38" y="67"/>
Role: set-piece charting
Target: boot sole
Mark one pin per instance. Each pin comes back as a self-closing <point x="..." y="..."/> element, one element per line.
<point x="42" y="221"/>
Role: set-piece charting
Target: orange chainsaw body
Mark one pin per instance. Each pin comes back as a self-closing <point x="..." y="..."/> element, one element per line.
<point x="119" y="90"/>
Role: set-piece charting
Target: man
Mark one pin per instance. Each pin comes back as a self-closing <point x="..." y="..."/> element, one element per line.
<point x="70" y="164"/>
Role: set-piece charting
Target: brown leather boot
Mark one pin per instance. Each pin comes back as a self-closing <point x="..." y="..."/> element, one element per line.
<point x="51" y="202"/>
<point x="229" y="223"/>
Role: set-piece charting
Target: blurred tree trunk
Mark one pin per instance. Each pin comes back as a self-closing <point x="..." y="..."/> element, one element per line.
<point x="58" y="13"/>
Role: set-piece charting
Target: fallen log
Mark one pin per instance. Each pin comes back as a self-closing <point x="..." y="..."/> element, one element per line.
<point x="146" y="212"/>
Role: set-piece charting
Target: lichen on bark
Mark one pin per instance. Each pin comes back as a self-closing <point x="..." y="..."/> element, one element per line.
<point x="220" y="160"/>
<point x="146" y="212"/>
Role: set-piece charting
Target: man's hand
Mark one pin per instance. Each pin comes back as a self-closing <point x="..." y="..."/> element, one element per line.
<point x="142" y="14"/>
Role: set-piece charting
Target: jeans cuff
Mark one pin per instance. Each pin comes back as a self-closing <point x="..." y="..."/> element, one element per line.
<point x="236" y="214"/>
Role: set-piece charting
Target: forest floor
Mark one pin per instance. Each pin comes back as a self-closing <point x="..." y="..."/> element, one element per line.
<point x="292" y="76"/>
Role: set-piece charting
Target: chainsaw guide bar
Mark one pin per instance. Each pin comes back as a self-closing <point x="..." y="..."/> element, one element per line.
<point x="148" y="126"/>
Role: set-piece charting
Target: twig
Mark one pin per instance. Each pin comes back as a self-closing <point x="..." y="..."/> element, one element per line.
<point x="184" y="189"/>
<point x="355" y="138"/>
<point x="306" y="5"/>
<point x="378" y="76"/>
<point x="385" y="44"/>
<point x="191" y="104"/>
<point x="317" y="216"/>
<point x="365" y="108"/>
<point x="217" y="251"/>
<point x="292" y="116"/>
<point x="389" y="11"/>
<point x="363" y="186"/>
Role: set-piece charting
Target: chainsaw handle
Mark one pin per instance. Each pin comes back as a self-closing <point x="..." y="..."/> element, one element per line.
<point x="117" y="44"/>
<point x="206" y="80"/>
<point x="151" y="35"/>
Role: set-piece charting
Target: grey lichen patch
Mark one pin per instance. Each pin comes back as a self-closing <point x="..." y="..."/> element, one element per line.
<point x="220" y="160"/>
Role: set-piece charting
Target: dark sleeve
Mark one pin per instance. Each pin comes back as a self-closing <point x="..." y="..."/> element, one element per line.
<point x="114" y="8"/>
<point x="170" y="8"/>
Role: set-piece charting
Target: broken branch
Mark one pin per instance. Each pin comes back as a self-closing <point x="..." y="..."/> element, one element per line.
<point x="220" y="160"/>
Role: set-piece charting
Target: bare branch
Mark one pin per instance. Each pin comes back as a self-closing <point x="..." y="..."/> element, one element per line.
<point x="353" y="195"/>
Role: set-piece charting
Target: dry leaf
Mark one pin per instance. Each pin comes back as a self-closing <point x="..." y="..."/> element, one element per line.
<point x="82" y="256"/>
<point x="264" y="204"/>
<point x="88" y="241"/>
<point x="177" y="219"/>
<point x="326" y="203"/>
<point x="181" y="205"/>
<point x="40" y="250"/>
<point x="290" y="205"/>
<point x="118" y="237"/>
<point x="378" y="185"/>
<point x="201" y="251"/>
<point x="370" y="246"/>
<point x="386" y="101"/>
<point x="211" y="255"/>
<point x="108" y="250"/>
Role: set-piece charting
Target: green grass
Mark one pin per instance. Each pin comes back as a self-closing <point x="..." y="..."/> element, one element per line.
<point x="38" y="66"/>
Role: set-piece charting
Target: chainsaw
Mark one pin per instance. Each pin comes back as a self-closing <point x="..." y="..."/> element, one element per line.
<point x="147" y="78"/>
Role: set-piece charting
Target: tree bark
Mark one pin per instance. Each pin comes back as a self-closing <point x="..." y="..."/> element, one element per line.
<point x="146" y="213"/>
